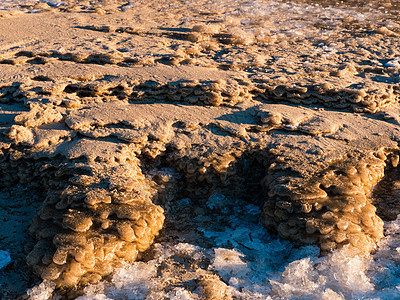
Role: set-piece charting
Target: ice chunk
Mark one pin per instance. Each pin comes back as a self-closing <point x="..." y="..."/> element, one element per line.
<point x="42" y="291"/>
<point x="395" y="63"/>
<point x="5" y="258"/>
<point x="54" y="3"/>
<point x="228" y="263"/>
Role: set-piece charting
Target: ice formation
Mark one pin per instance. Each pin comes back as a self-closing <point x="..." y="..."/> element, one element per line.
<point x="5" y="258"/>
<point x="263" y="267"/>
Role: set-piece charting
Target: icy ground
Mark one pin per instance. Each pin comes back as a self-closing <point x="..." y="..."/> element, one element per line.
<point x="250" y="262"/>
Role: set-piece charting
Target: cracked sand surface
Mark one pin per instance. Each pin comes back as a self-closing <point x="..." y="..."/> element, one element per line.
<point x="299" y="117"/>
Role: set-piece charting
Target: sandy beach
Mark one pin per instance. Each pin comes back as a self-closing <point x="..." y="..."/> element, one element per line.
<point x="199" y="150"/>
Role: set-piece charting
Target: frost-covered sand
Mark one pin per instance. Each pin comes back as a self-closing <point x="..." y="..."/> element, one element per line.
<point x="199" y="150"/>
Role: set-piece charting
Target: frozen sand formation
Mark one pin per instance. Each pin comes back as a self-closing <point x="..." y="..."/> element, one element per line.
<point x="300" y="117"/>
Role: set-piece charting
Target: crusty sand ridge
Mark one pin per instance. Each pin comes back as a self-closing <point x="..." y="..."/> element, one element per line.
<point x="300" y="117"/>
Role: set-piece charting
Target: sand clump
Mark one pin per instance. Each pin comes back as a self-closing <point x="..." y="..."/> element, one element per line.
<point x="245" y="103"/>
<point x="106" y="223"/>
<point x="340" y="200"/>
<point x="88" y="223"/>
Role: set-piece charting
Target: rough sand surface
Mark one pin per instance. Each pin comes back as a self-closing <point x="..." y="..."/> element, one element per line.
<point x="291" y="106"/>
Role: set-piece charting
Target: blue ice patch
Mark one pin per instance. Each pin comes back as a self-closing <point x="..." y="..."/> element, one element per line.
<point x="5" y="258"/>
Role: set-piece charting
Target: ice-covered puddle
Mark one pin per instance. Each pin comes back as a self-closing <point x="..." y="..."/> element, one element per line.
<point x="223" y="251"/>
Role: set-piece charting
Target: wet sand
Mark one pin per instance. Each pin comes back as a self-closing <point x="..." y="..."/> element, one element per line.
<point x="113" y="111"/>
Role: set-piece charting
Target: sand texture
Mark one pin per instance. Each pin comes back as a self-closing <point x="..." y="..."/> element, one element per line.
<point x="111" y="110"/>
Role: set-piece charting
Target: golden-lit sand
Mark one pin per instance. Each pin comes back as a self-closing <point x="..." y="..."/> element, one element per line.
<point x="290" y="106"/>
